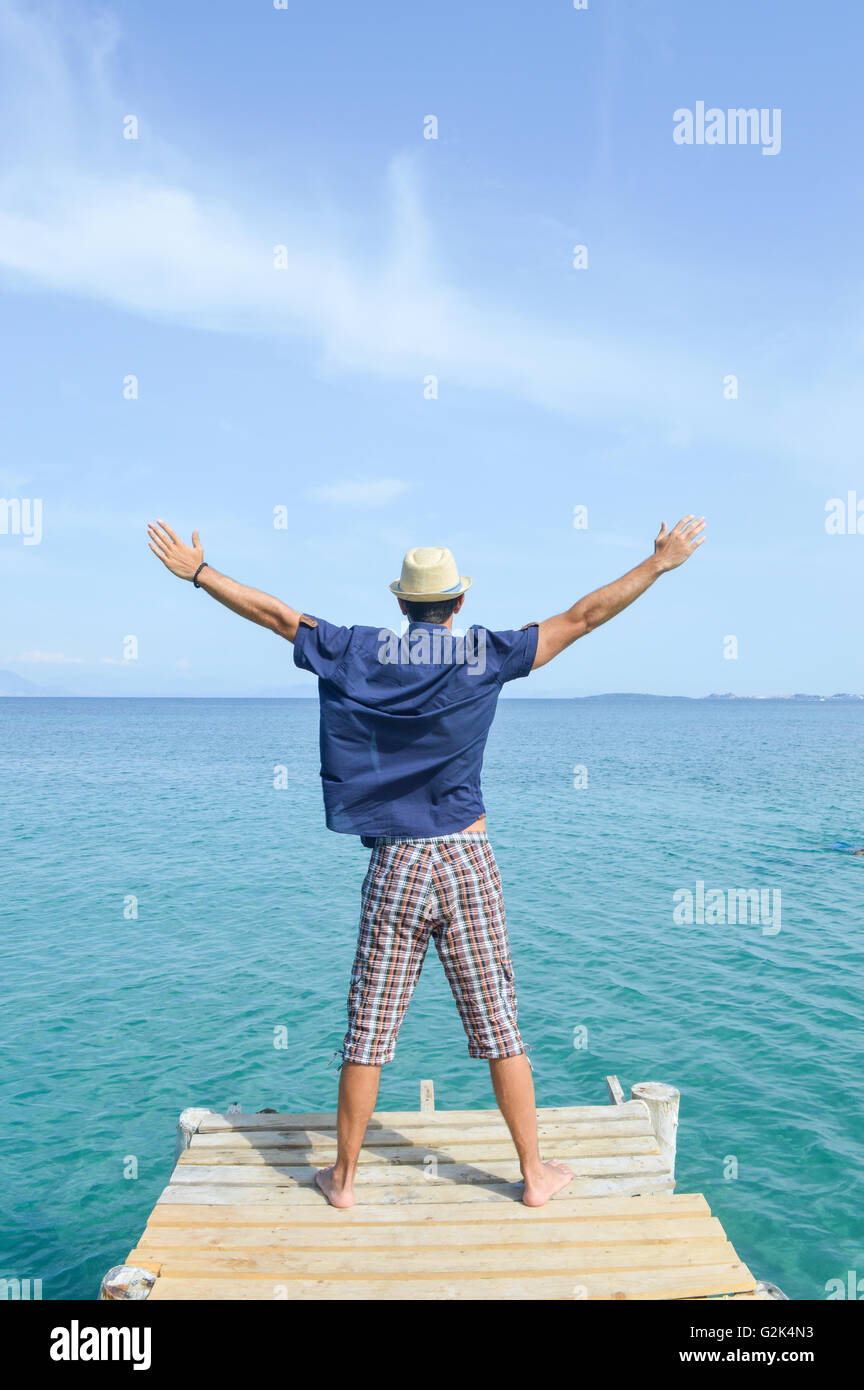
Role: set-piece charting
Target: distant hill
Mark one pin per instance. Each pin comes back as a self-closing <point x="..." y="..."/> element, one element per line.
<point x="842" y="698"/>
<point x="10" y="684"/>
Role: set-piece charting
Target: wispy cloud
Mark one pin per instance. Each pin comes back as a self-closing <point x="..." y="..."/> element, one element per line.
<point x="82" y="216"/>
<point x="374" y="492"/>
<point x="50" y="659"/>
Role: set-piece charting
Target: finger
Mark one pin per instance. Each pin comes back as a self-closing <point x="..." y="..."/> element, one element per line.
<point x="696" y="544"/>
<point x="160" y="540"/>
<point x="159" y="553"/>
<point x="683" y="522"/>
<point x="662" y="531"/>
<point x="195" y="541"/>
<point x="167" y="528"/>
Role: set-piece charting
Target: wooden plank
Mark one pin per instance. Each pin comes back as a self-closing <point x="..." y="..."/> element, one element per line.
<point x="398" y="1119"/>
<point x="150" y="1261"/>
<point x="174" y="1209"/>
<point x="307" y="1194"/>
<point x="427" y="1097"/>
<point x="616" y="1094"/>
<point x="381" y="1266"/>
<point x="429" y="1236"/>
<point x="262" y="1139"/>
<point x="445" y="1151"/>
<point x="729" y="1297"/>
<point x="397" y="1175"/>
<point x="661" y="1284"/>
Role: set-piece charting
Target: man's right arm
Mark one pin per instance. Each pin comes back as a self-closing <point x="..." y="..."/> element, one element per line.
<point x="254" y="604"/>
<point x="186" y="560"/>
<point x="671" y="548"/>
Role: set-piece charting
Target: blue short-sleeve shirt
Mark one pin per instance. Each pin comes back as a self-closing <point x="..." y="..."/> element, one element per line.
<point x="404" y="721"/>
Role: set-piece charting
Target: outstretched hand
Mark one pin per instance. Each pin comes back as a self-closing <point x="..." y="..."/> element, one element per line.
<point x="181" y="559"/>
<point x="672" y="548"/>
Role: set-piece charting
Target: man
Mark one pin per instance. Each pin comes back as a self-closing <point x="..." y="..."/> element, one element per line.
<point x="403" y="728"/>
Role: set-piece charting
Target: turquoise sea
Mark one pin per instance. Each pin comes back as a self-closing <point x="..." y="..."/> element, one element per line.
<point x="246" y="917"/>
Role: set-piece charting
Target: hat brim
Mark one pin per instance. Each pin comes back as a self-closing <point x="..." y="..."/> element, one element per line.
<point x="463" y="585"/>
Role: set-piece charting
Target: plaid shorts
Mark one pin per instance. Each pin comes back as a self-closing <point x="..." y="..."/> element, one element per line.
<point x="447" y="888"/>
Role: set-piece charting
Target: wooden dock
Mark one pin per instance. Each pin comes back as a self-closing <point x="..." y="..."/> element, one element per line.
<point x="438" y="1213"/>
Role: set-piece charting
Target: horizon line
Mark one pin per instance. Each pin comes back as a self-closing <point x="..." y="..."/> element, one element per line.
<point x="849" y="697"/>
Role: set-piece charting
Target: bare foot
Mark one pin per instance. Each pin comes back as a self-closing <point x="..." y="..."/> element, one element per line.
<point x="553" y="1176"/>
<point x="337" y="1194"/>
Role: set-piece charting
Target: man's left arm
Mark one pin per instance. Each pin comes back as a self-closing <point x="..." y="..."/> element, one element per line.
<point x="185" y="560"/>
<point x="671" y="549"/>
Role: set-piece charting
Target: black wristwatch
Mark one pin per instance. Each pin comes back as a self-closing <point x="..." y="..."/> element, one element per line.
<point x="197" y="572"/>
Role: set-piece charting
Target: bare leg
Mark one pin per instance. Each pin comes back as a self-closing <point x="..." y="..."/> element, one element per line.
<point x="358" y="1091"/>
<point x="514" y="1092"/>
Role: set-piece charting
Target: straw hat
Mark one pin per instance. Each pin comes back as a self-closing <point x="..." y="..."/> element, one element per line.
<point x="429" y="572"/>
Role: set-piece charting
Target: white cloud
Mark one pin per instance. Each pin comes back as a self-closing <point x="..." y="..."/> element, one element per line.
<point x="372" y="493"/>
<point x="76" y="219"/>
<point x="51" y="659"/>
<point x="126" y="223"/>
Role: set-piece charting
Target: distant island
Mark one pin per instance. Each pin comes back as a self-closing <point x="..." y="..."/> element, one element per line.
<point x="843" y="698"/>
<point x="10" y="684"/>
<point x="13" y="685"/>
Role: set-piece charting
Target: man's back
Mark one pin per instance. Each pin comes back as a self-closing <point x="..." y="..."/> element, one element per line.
<point x="404" y="721"/>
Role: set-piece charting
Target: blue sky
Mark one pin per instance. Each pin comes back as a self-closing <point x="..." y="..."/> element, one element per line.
<point x="409" y="257"/>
